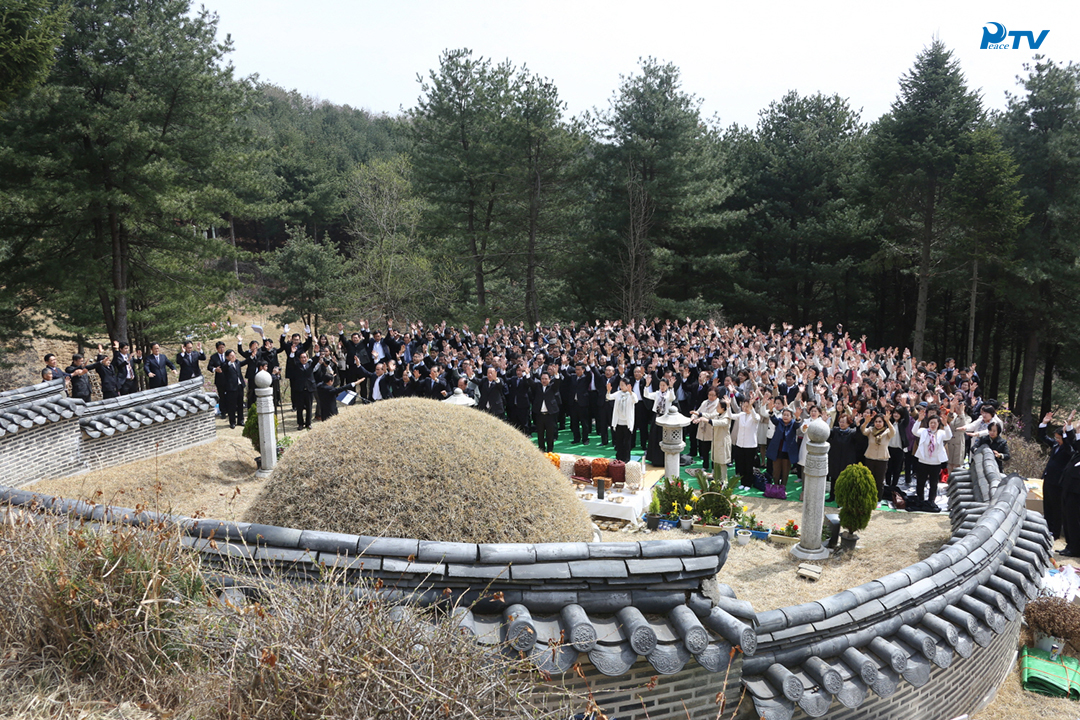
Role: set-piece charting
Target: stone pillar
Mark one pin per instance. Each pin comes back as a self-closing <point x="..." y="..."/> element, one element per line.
<point x="671" y="441"/>
<point x="813" y="499"/>
<point x="264" y="405"/>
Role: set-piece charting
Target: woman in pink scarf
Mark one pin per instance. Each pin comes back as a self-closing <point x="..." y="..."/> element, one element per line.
<point x="931" y="455"/>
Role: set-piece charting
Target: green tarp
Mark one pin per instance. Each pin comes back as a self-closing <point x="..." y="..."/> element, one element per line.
<point x="1056" y="678"/>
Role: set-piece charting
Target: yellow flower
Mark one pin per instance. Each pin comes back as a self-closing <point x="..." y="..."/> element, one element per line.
<point x="688" y="507"/>
<point x="745" y="508"/>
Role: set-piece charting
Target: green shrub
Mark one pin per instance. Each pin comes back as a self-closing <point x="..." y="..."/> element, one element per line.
<point x="674" y="495"/>
<point x="251" y="427"/>
<point x="856" y="494"/>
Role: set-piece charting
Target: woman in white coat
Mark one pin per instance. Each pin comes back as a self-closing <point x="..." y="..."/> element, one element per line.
<point x="931" y="455"/>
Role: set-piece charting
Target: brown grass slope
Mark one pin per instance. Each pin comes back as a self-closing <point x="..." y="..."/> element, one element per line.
<point x="421" y="469"/>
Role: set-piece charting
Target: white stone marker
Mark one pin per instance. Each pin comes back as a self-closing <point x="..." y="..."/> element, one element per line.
<point x="671" y="442"/>
<point x="264" y="406"/>
<point x="813" y="499"/>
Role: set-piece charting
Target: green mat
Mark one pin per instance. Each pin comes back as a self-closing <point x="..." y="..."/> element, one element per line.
<point x="1056" y="678"/>
<point x="564" y="443"/>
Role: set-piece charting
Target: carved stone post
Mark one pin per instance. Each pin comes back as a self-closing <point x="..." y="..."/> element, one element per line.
<point x="814" y="475"/>
<point x="264" y="406"/>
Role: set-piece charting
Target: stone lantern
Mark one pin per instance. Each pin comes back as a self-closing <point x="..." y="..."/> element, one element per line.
<point x="814" y="475"/>
<point x="671" y="442"/>
<point x="264" y="406"/>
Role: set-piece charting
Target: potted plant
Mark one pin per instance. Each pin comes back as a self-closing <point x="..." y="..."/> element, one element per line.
<point x="756" y="527"/>
<point x="1053" y="621"/>
<point x="742" y="536"/>
<point x="686" y="519"/>
<point x="857" y="496"/>
<point x="786" y="535"/>
<point x="652" y="517"/>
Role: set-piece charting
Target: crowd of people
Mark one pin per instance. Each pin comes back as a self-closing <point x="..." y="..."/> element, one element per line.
<point x="750" y="392"/>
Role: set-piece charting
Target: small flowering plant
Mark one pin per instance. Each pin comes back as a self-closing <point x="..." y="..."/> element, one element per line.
<point x="750" y="522"/>
<point x="790" y="529"/>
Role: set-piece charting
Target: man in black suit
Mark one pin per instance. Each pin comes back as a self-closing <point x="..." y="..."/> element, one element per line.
<point x="353" y="347"/>
<point x="217" y="360"/>
<point x="188" y="361"/>
<point x="110" y="384"/>
<point x="80" y="378"/>
<point x="157" y="366"/>
<point x="492" y="393"/>
<point x="269" y="354"/>
<point x="253" y="355"/>
<point x="124" y="363"/>
<point x="383" y="383"/>
<point x="546" y="410"/>
<point x="580" y="404"/>
<point x="433" y="386"/>
<point x="518" y="399"/>
<point x="229" y="378"/>
<point x="1061" y="446"/>
<point x="292" y="349"/>
<point x="303" y="389"/>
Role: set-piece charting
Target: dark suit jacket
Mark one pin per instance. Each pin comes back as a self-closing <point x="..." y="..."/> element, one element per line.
<point x="389" y="386"/>
<point x="304" y="376"/>
<point x="492" y="395"/>
<point x="518" y="393"/>
<point x="580" y="393"/>
<point x="157" y="365"/>
<point x="433" y="389"/>
<point x="216" y="361"/>
<point x="232" y="375"/>
<point x="189" y="367"/>
<point x="548" y="395"/>
<point x="120" y="367"/>
<point x="109" y="382"/>
<point x="292" y="355"/>
<point x="1058" y="460"/>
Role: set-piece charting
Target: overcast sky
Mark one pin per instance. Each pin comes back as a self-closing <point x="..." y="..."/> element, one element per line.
<point x="736" y="57"/>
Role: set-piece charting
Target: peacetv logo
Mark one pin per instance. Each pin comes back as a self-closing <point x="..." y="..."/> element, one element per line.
<point x="992" y="38"/>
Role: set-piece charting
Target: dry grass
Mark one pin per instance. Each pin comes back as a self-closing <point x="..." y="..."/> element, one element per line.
<point x="421" y="469"/>
<point x="1028" y="459"/>
<point x="95" y="621"/>
<point x="214" y="480"/>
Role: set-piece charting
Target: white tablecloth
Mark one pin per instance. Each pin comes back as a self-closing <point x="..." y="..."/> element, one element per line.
<point x="631" y="507"/>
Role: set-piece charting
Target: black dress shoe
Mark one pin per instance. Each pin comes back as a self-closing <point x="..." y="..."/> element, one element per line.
<point x="232" y="426"/>
<point x="1068" y="553"/>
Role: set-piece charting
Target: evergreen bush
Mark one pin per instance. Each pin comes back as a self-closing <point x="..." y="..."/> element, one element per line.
<point x="856" y="494"/>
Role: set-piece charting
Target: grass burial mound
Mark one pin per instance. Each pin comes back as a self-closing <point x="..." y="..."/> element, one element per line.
<point x="421" y="469"/>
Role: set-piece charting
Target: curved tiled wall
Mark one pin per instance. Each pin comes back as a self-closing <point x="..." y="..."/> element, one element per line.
<point x="630" y="608"/>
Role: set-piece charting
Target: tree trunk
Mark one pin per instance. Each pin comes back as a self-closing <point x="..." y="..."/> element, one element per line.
<point x="1048" y="379"/>
<point x="232" y="236"/>
<point x="119" y="331"/>
<point x="1026" y="399"/>
<point x="924" y="281"/>
<point x="1017" y="357"/>
<point x="969" y="357"/>
<point x="532" y="296"/>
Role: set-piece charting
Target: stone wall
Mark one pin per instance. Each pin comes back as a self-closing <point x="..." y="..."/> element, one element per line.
<point x="645" y="630"/>
<point x="45" y="434"/>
